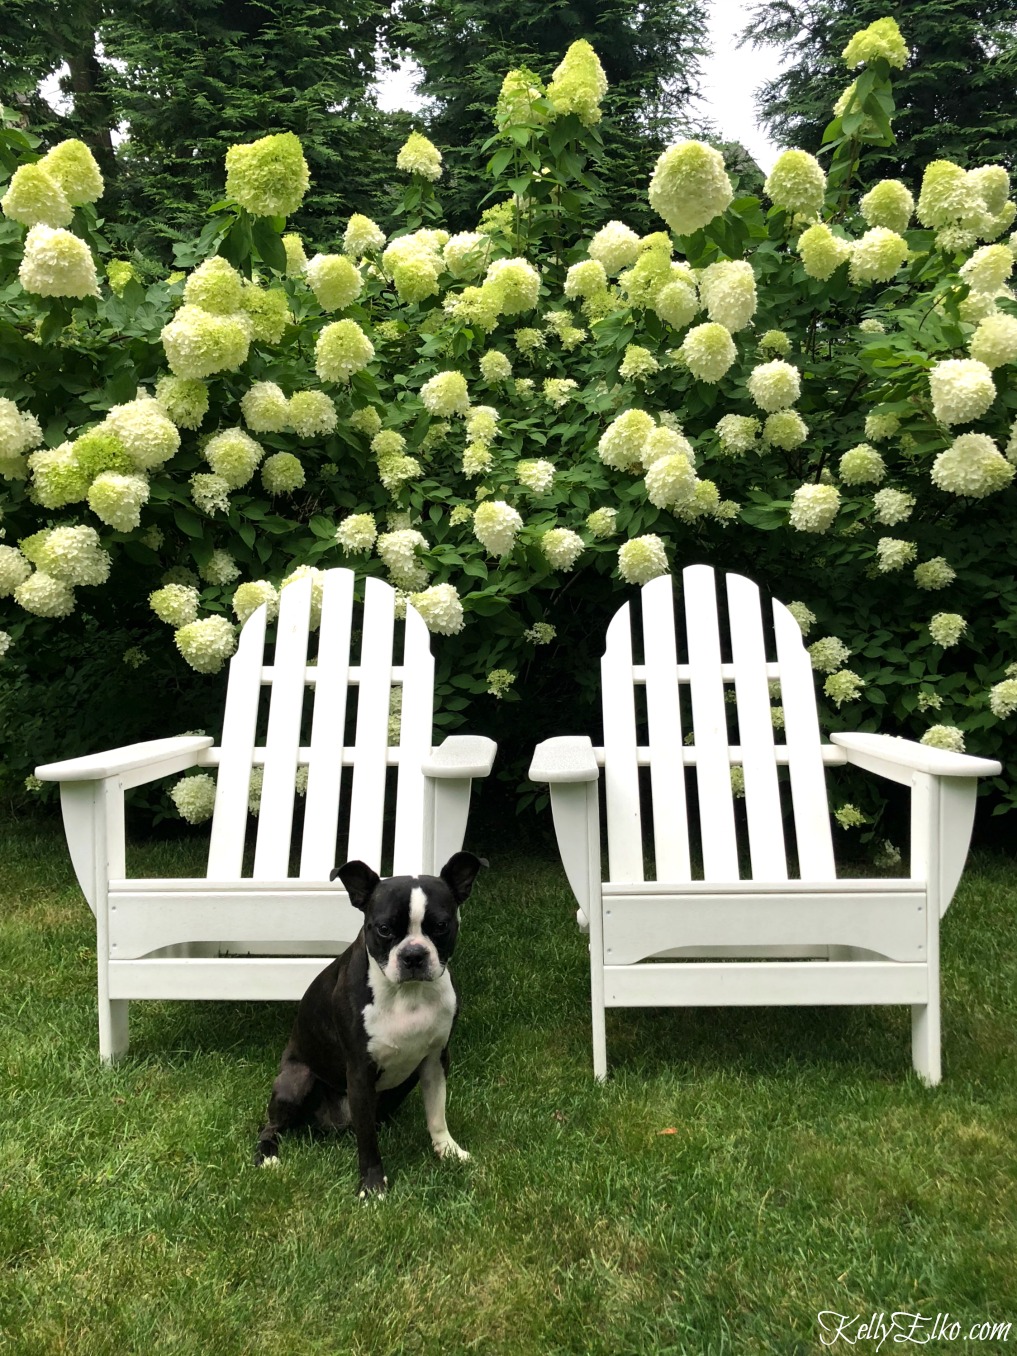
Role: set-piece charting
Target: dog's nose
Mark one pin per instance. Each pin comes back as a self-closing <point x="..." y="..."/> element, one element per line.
<point x="414" y="957"/>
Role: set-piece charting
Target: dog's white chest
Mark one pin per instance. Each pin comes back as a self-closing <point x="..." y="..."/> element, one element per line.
<point x="405" y="1023"/>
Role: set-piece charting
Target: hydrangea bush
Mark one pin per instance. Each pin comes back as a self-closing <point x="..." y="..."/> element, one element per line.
<point x="516" y="425"/>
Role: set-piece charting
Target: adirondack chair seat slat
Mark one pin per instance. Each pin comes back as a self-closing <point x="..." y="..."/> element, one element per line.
<point x="263" y="928"/>
<point x="771" y="923"/>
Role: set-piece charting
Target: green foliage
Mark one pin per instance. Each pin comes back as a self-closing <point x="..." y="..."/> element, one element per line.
<point x="955" y="96"/>
<point x="859" y="348"/>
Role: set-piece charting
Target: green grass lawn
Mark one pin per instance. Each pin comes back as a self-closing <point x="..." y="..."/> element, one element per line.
<point x="741" y="1170"/>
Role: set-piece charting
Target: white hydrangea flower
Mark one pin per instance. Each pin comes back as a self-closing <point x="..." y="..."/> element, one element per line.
<point x="118" y="499"/>
<point x="234" y="456"/>
<point x="558" y="391"/>
<point x="670" y="480"/>
<point x="398" y="551"/>
<point x="879" y="427"/>
<point x="514" y="283"/>
<point x="265" y="408"/>
<point x="603" y="522"/>
<point x="45" y="596"/>
<point x="210" y="493"/>
<point x="312" y="414"/>
<point x="198" y="344"/>
<point x="893" y="506"/>
<point x="877" y="256"/>
<point x="962" y="390"/>
<point x="785" y="429"/>
<point x="495" y="525"/>
<point x="148" y="435"/>
<point x="249" y="597"/>
<point x="19" y="432"/>
<point x="194" y="797"/>
<point x="641" y="559"/>
<point x="14" y="570"/>
<point x="622" y="445"/>
<point x="482" y="423"/>
<point x="822" y="252"/>
<point x="537" y="476"/>
<point x="446" y="393"/>
<point x="774" y="385"/>
<point x="335" y="281"/>
<point x="814" y="507"/>
<point x="946" y="628"/>
<point x="440" y="608"/>
<point x="994" y="342"/>
<point x="728" y="291"/>
<point x="57" y="264"/>
<point x="934" y="573"/>
<point x="220" y="568"/>
<point x="844" y="686"/>
<point x="797" y="183"/>
<point x="206" y="644"/>
<point x="708" y="351"/>
<point x="972" y="465"/>
<point x="862" y="465"/>
<point x="586" y="279"/>
<point x="690" y="186"/>
<point x="341" y="350"/>
<point x="637" y="364"/>
<point x="282" y="473"/>
<point x="947" y="737"/>
<point x="889" y="203"/>
<point x="362" y="236"/>
<point x="175" y="604"/>
<point x="74" y="555"/>
<point x="893" y="554"/>
<point x="804" y="616"/>
<point x="561" y="547"/>
<point x="829" y="653"/>
<point x="495" y="366"/>
<point x="988" y="269"/>
<point x="185" y="400"/>
<point x="737" y="433"/>
<point x="1003" y="698"/>
<point x="357" y="533"/>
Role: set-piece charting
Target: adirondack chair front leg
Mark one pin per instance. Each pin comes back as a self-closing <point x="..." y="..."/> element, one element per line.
<point x="92" y="804"/>
<point x="569" y="766"/>
<point x="449" y="774"/>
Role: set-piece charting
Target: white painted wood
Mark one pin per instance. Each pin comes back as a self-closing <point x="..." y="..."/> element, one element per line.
<point x="229" y="822"/>
<point x="709" y="719"/>
<point x="893" y="924"/>
<point x="145" y="921"/>
<point x="282" y="742"/>
<point x="755" y="730"/>
<point x="831" y="757"/>
<point x="957" y="798"/>
<point x="326" y="755"/>
<point x="919" y="757"/>
<point x="753" y="984"/>
<point x="415" y="732"/>
<point x="368" y="797"/>
<point x="801" y="731"/>
<point x="667" y="771"/>
<point x="229" y="979"/>
<point x="621" y="774"/>
<point x="152" y="753"/>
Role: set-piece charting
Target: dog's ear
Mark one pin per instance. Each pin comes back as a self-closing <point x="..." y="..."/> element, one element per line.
<point x="459" y="873"/>
<point x="359" y="880"/>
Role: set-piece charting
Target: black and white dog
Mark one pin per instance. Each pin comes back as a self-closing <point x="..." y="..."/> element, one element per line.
<point x="378" y="1019"/>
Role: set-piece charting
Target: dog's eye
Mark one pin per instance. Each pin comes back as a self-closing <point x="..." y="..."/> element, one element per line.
<point x="439" y="929"/>
<point x="383" y="932"/>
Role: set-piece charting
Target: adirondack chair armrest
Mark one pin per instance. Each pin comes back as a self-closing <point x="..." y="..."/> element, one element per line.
<point x="867" y="750"/>
<point x="565" y="758"/>
<point x="461" y="756"/>
<point x="155" y="758"/>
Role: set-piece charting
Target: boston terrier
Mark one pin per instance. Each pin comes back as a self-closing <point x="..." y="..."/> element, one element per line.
<point x="378" y="1019"/>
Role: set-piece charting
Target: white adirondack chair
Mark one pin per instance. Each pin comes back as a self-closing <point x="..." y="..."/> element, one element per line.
<point x="672" y="941"/>
<point x="266" y="934"/>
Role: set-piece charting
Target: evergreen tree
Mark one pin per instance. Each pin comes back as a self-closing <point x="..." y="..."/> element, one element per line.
<point x="955" y="98"/>
<point x="650" y="50"/>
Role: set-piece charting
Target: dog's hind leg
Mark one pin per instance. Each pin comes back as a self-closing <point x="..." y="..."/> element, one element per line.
<point x="292" y="1103"/>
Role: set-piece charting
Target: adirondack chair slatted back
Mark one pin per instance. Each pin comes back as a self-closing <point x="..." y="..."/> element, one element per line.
<point x="689" y="698"/>
<point x="344" y="697"/>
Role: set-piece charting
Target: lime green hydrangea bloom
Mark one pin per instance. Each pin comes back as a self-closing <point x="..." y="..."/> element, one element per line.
<point x="728" y="291"/>
<point x="362" y="236"/>
<point x="194" y="797"/>
<point x="537" y="476"/>
<point x="561" y="547"/>
<point x="616" y="246"/>
<point x="877" y="256"/>
<point x="341" y="350"/>
<point x="737" y="433"/>
<point x="57" y="264"/>
<point x="586" y="279"/>
<point x="670" y="480"/>
<point x="296" y="259"/>
<point x="677" y="304"/>
<point x="822" y="252"/>
<point x="862" y="465"/>
<point x="603" y="522"/>
<point x="249" y="597"/>
<point x="890" y="204"/>
<point x="73" y="166"/>
<point x="268" y="310"/>
<point x="440" y="608"/>
<point x="495" y="525"/>
<point x="282" y="473"/>
<point x="265" y="408"/>
<point x="814" y="507"/>
<point x="518" y="100"/>
<point x="72" y="554"/>
<point x="118" y="499"/>
<point x="893" y="554"/>
<point x="641" y="559"/>
<point x="398" y="551"/>
<point x="882" y="39"/>
<point x="774" y="385"/>
<point x="34" y="198"/>
<point x="946" y="628"/>
<point x="215" y="286"/>
<point x="994" y="342"/>
<point x="578" y="84"/>
<point x="962" y="390"/>
<point x="206" y="644"/>
<point x="947" y="737"/>
<point x="19" y="431"/>
<point x="842" y="687"/>
<point x="797" y="183"/>
<point x="805" y="618"/>
<point x="445" y="393"/>
<point x="268" y="177"/>
<point x="184" y="400"/>
<point x="145" y="431"/>
<point x="357" y="533"/>
<point x="785" y="429"/>
<point x="198" y="344"/>
<point x="709" y="351"/>
<point x="234" y="456"/>
<point x="175" y="604"/>
<point x="622" y="445"/>
<point x="45" y="596"/>
<point x="312" y="414"/>
<point x="417" y="155"/>
<point x="690" y="186"/>
<point x="334" y="280"/>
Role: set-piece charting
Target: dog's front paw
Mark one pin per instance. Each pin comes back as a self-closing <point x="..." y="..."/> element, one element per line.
<point x="373" y="1183"/>
<point x="266" y="1155"/>
<point x="446" y="1147"/>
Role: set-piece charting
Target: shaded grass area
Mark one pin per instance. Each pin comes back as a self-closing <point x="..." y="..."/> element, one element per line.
<point x="741" y="1170"/>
